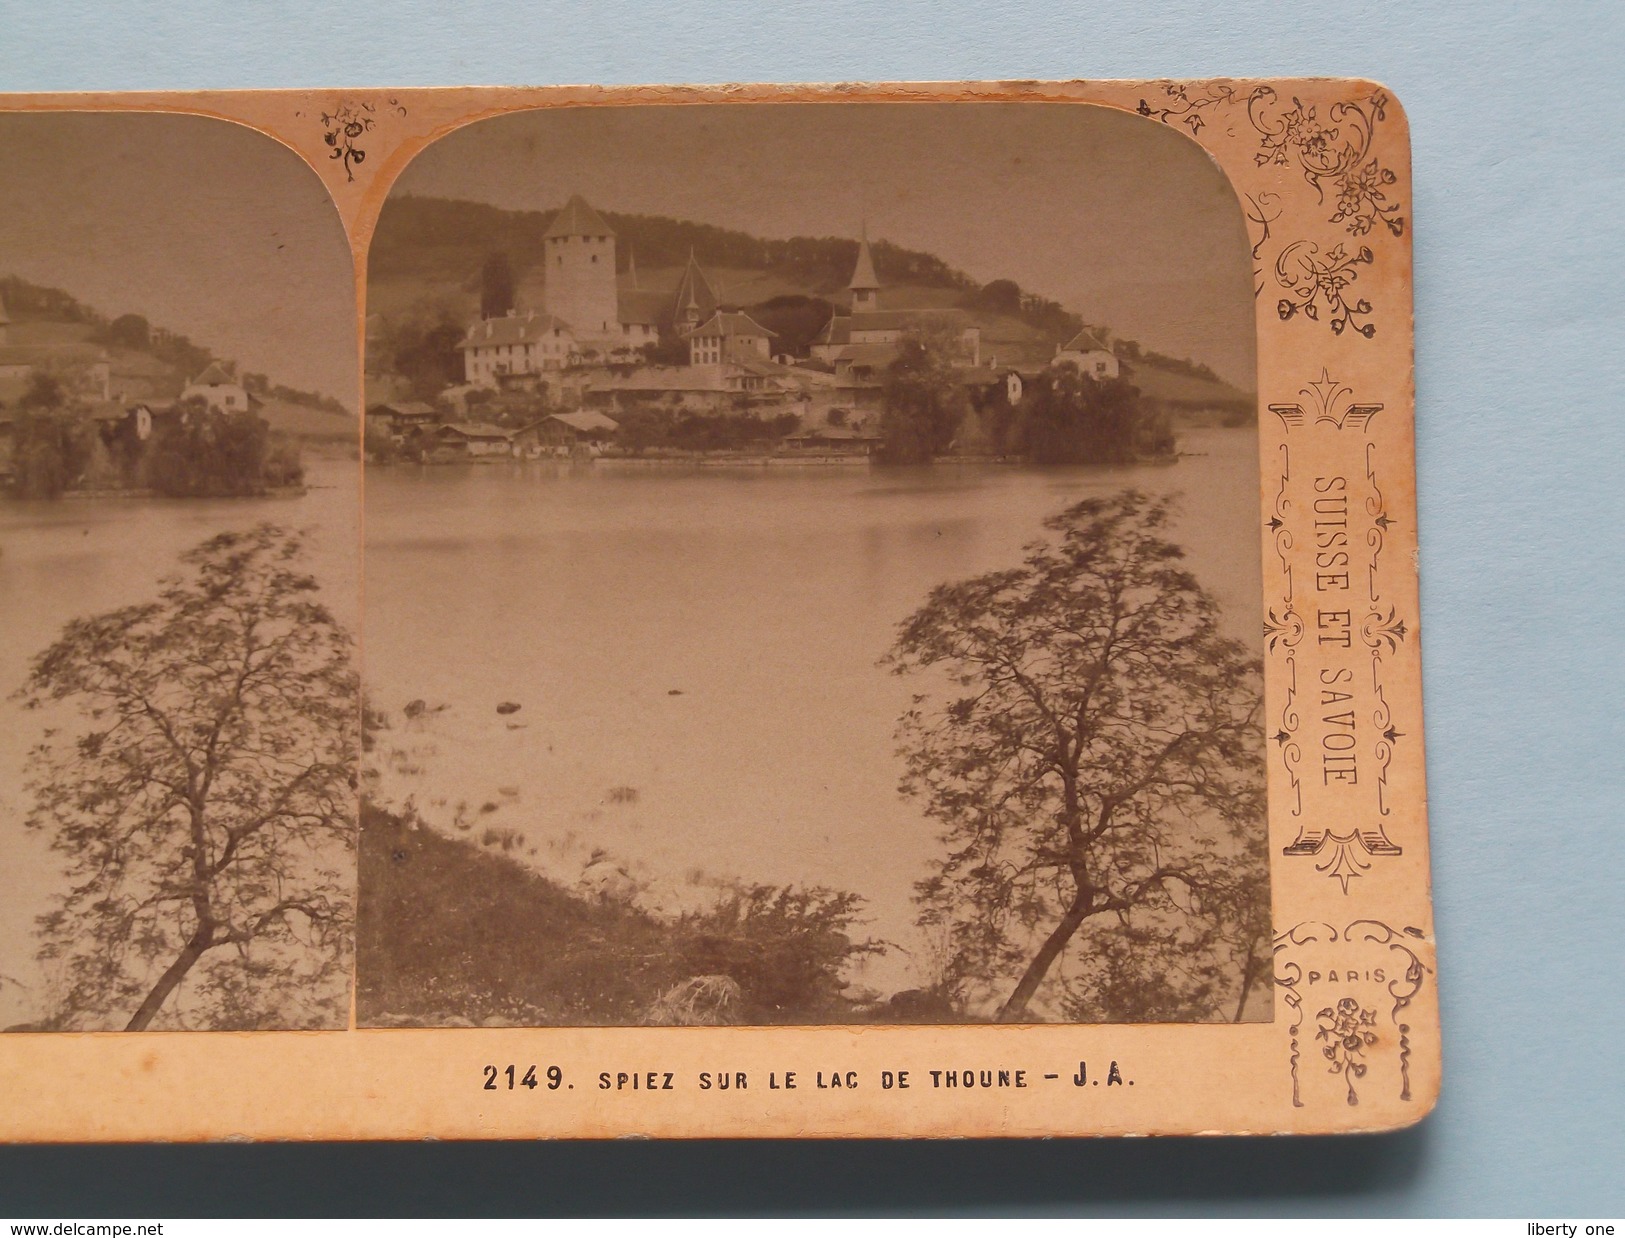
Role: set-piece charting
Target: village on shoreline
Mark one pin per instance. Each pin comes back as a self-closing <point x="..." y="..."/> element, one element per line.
<point x="608" y="370"/>
<point x="92" y="408"/>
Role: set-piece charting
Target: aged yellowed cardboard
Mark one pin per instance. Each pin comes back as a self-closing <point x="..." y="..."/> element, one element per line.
<point x="1237" y="252"/>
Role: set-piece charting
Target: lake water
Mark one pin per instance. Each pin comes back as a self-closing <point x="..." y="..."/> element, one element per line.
<point x="76" y="557"/>
<point x="694" y="652"/>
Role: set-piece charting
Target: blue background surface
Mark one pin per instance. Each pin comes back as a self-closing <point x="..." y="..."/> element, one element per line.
<point x="1518" y="198"/>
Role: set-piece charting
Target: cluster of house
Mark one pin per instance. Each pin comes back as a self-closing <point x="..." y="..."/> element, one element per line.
<point x="123" y="398"/>
<point x="435" y="438"/>
<point x="586" y="351"/>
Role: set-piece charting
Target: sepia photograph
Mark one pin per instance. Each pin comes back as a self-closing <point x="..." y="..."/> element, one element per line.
<point x="179" y="580"/>
<point x="807" y="612"/>
<point x="680" y="611"/>
<point x="813" y="574"/>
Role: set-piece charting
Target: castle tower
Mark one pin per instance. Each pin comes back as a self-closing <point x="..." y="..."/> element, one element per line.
<point x="865" y="287"/>
<point x="579" y="248"/>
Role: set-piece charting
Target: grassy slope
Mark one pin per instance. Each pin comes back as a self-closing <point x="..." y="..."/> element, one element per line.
<point x="283" y="416"/>
<point x="38" y="333"/>
<point x="449" y="932"/>
<point x="445" y="929"/>
<point x="1172" y="388"/>
<point x="302" y="421"/>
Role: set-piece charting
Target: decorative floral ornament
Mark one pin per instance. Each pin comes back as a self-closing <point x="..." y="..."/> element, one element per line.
<point x="346" y="125"/>
<point x="1379" y="629"/>
<point x="1186" y="106"/>
<point x="1286" y="630"/>
<point x="1347" y="1031"/>
<point x="1335" y="155"/>
<point x="1313" y="281"/>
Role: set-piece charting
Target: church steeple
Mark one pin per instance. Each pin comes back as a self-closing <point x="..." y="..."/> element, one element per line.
<point x="696" y="300"/>
<point x="864" y="286"/>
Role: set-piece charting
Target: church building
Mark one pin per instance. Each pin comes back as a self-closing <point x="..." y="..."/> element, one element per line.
<point x="846" y="339"/>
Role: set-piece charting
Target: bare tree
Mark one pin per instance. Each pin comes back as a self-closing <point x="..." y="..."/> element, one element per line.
<point x="1103" y="766"/>
<point x="205" y="807"/>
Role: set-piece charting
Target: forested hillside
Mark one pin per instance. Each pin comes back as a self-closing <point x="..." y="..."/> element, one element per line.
<point x="448" y="239"/>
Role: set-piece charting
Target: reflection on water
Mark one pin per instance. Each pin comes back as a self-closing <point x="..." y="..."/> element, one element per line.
<point x="709" y="638"/>
<point x="75" y="557"/>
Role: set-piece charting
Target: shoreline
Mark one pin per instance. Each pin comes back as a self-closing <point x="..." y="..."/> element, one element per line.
<point x="757" y="461"/>
<point x="139" y="492"/>
<point x="724" y="461"/>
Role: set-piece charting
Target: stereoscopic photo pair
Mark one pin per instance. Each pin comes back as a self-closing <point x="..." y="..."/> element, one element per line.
<point x="888" y="562"/>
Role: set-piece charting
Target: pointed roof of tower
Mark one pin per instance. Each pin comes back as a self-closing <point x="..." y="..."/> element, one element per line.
<point x="694" y="289"/>
<point x="863" y="273"/>
<point x="578" y="219"/>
